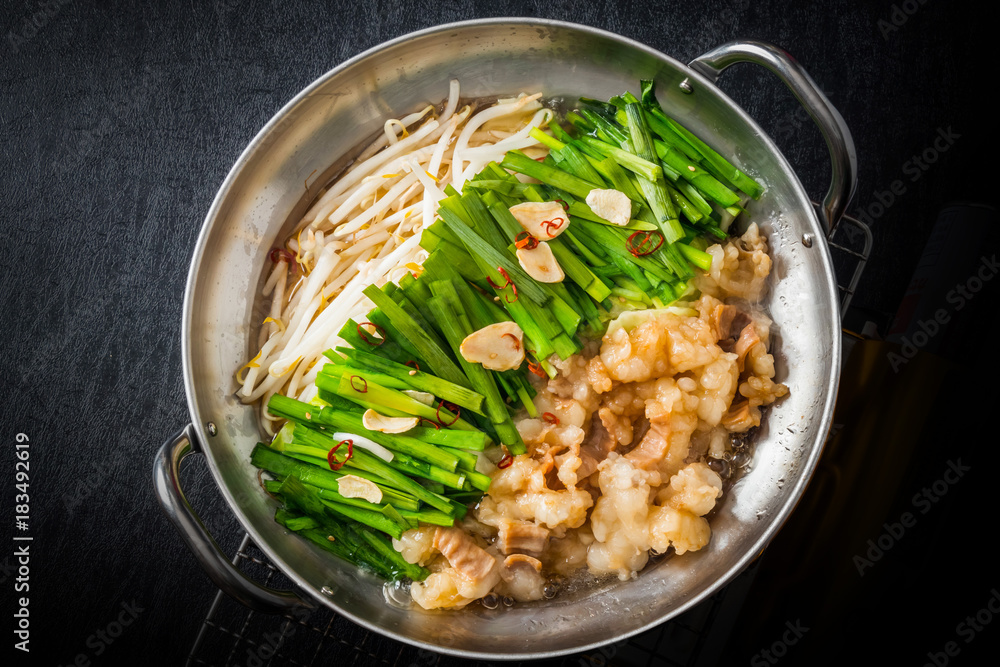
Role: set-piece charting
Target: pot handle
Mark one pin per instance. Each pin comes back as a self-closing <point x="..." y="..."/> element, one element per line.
<point x="166" y="483"/>
<point x="844" y="159"/>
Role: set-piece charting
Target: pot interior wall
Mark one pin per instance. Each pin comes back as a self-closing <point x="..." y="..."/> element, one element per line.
<point x="491" y="58"/>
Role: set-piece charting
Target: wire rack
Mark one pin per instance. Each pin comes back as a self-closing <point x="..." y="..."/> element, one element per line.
<point x="850" y="246"/>
<point x="233" y="635"/>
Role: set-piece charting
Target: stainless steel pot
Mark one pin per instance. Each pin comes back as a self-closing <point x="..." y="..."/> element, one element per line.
<point x="324" y="123"/>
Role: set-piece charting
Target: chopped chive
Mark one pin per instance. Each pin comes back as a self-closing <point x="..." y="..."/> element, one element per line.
<point x="697" y="257"/>
<point x="426" y="347"/>
<point x="417" y="379"/>
<point x="521" y="163"/>
<point x="494" y="258"/>
<point x="624" y="158"/>
<point x="346" y="422"/>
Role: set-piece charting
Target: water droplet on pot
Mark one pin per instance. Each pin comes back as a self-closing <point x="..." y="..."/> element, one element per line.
<point x="397" y="594"/>
<point x="490" y="601"/>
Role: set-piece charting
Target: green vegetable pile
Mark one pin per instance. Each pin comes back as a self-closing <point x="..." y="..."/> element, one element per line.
<point x="682" y="194"/>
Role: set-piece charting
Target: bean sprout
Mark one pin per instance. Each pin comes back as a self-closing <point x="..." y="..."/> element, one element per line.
<point x="366" y="227"/>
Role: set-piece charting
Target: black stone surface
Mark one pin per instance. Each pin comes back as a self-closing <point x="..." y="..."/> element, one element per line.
<point x="120" y="120"/>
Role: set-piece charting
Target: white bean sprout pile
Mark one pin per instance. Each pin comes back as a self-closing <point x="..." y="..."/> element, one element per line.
<point x="366" y="228"/>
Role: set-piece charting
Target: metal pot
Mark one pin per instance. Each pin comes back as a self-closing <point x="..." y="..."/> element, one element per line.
<point x="325" y="122"/>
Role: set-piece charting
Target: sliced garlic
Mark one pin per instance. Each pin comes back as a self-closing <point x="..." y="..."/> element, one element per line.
<point x="497" y="347"/>
<point x="424" y="397"/>
<point x="352" y="486"/>
<point x="612" y="205"/>
<point x="374" y="421"/>
<point x="533" y="216"/>
<point x="364" y="443"/>
<point x="540" y="263"/>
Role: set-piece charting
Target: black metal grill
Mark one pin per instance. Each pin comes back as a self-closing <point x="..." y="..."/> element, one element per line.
<point x="233" y="635"/>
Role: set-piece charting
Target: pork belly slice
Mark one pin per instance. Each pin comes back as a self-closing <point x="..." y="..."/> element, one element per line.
<point x="598" y="444"/>
<point x="463" y="554"/>
<point x="727" y="322"/>
<point x="652" y="448"/>
<point x="516" y="537"/>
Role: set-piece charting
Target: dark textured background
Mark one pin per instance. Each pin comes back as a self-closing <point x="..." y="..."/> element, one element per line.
<point x="119" y="122"/>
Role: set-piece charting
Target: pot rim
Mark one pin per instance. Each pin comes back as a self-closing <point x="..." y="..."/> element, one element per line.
<point x="824" y="416"/>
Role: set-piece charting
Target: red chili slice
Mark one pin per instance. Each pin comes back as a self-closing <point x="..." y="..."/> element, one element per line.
<point x="644" y="243"/>
<point x="412" y="364"/>
<point x="280" y="254"/>
<point x="505" y="461"/>
<point x="554" y="223"/>
<point x="536" y="368"/>
<point x="550" y="418"/>
<point x="331" y="459"/>
<point x="563" y="203"/>
<point x="517" y="343"/>
<point x="507" y="298"/>
<point x="363" y="389"/>
<point x="524" y="240"/>
<point x="503" y="272"/>
<point x="374" y="342"/>
<point x="437" y="427"/>
<point x="506" y="276"/>
<point x="450" y="407"/>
